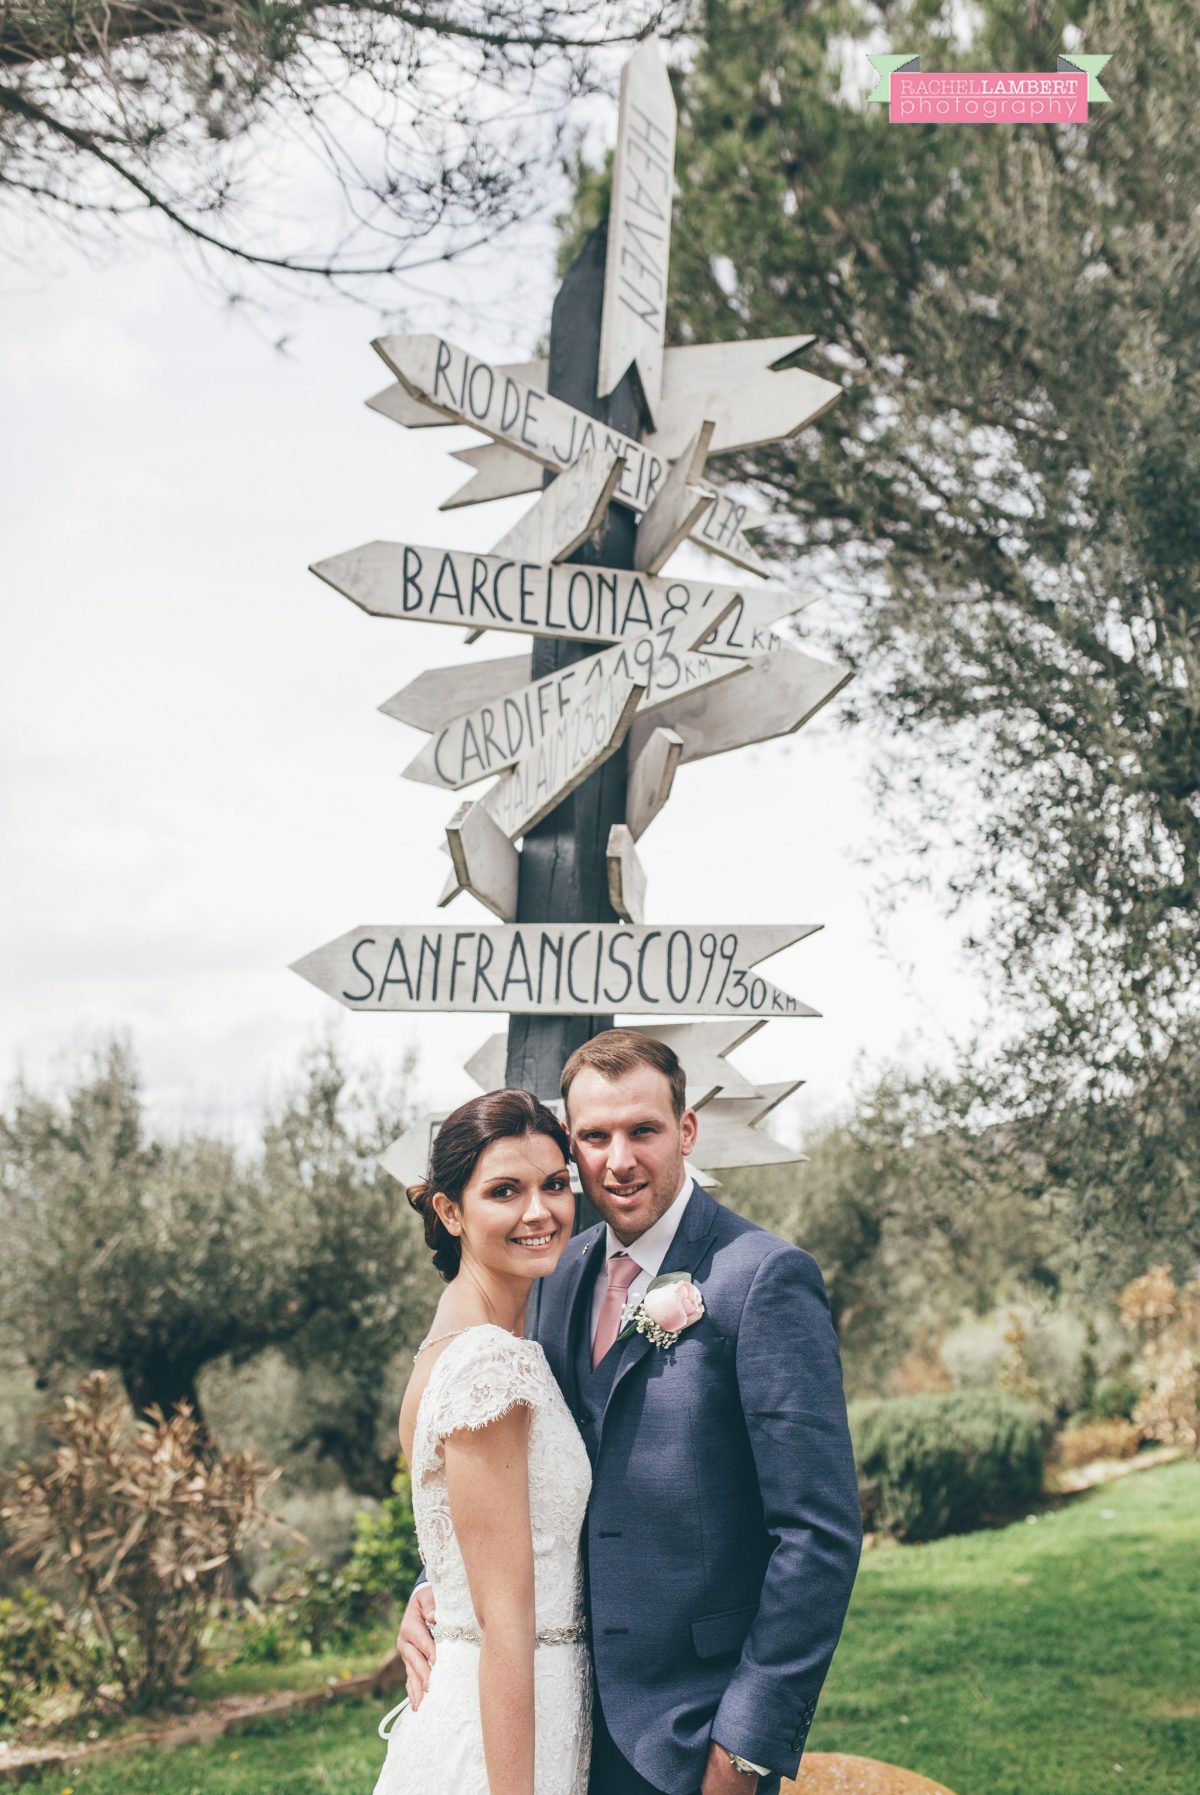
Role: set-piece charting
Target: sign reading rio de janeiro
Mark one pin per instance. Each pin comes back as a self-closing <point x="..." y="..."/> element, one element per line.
<point x="976" y="97"/>
<point x="469" y="390"/>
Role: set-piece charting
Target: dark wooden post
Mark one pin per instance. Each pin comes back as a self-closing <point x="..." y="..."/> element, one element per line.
<point x="563" y="872"/>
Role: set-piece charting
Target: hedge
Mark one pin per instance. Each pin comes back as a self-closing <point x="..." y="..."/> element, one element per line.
<point x="931" y="1465"/>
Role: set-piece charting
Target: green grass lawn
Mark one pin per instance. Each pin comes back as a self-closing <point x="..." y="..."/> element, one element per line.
<point x="368" y="1652"/>
<point x="1060" y="1657"/>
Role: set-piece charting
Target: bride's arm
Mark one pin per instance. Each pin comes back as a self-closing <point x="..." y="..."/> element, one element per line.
<point x="487" y="1481"/>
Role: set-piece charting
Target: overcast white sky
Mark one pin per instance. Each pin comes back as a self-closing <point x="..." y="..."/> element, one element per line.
<point x="197" y="785"/>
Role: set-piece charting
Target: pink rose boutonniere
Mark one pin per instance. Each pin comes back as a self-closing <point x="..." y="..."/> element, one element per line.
<point x="671" y="1304"/>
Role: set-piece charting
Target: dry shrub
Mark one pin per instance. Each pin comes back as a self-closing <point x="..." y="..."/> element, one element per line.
<point x="922" y="1371"/>
<point x="140" y="1521"/>
<point x="1085" y="1441"/>
<point x="1167" y="1318"/>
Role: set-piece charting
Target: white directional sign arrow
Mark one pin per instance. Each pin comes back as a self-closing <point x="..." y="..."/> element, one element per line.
<point x="485" y="862"/>
<point x="582" y="740"/>
<point x="633" y="321"/>
<point x="562" y="969"/>
<point x="497" y="733"/>
<point x="678" y="509"/>
<point x="730" y="1145"/>
<point x="651" y="776"/>
<point x="565" y="600"/>
<point x="498" y="472"/>
<point x="440" y="692"/>
<point x="776" y="694"/>
<point x="549" y="430"/>
<point x="701" y="1048"/>
<point x="754" y="393"/>
<point x="407" y="1159"/>
<point x="397" y="403"/>
<point x="626" y="875"/>
<point x="567" y="512"/>
<point x="730" y="1135"/>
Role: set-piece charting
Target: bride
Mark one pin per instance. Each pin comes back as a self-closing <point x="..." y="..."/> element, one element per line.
<point x="500" y="1475"/>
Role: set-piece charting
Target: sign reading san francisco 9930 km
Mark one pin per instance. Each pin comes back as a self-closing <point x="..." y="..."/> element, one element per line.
<point x="571" y="969"/>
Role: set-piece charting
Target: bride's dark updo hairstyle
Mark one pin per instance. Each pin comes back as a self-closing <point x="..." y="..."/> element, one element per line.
<point x="462" y="1137"/>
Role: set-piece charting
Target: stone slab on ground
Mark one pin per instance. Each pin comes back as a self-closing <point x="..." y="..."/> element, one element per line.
<point x="833" y="1773"/>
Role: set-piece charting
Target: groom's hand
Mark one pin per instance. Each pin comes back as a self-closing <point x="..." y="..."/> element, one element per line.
<point x="720" y="1777"/>
<point x="415" y="1643"/>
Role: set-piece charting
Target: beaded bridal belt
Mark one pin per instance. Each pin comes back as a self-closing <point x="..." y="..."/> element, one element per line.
<point x="573" y="1634"/>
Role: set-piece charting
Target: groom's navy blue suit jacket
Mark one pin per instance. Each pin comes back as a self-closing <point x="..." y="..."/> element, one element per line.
<point x="723" y="1532"/>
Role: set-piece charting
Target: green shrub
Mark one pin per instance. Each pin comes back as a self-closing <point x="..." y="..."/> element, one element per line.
<point x="385" y="1557"/>
<point x="1113" y="1399"/>
<point x="262" y="1638"/>
<point x="323" y="1606"/>
<point x="37" y="1654"/>
<point x="930" y="1465"/>
<point x="320" y="1606"/>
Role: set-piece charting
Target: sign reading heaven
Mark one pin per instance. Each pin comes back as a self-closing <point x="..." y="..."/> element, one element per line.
<point x="560" y="969"/>
<point x="634" y="318"/>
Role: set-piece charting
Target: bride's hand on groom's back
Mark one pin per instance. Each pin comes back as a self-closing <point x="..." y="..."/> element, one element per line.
<point x="415" y="1643"/>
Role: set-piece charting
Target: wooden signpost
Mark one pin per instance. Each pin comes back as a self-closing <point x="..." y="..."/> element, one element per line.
<point x="680" y="507"/>
<point x="631" y="671"/>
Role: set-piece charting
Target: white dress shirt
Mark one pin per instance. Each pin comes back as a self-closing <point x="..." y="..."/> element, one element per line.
<point x="648" y="1250"/>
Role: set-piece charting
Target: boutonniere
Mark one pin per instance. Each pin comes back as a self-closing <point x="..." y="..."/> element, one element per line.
<point x="670" y="1304"/>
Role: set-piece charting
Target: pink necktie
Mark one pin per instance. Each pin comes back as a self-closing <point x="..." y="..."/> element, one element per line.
<point x="622" y="1270"/>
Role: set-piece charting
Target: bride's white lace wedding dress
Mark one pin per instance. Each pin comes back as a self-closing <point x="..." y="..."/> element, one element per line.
<point x="438" y="1748"/>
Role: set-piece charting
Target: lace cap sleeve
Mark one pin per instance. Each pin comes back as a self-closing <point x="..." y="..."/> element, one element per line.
<point x="479" y="1377"/>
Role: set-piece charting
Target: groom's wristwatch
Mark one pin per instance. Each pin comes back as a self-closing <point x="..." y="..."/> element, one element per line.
<point x="743" y="1765"/>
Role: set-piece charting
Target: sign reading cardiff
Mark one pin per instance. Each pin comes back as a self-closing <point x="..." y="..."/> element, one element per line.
<point x="562" y="969"/>
<point x="493" y="735"/>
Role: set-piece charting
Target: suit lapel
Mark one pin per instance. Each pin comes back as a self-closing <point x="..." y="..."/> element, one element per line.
<point x="577" y="1278"/>
<point x="685" y="1253"/>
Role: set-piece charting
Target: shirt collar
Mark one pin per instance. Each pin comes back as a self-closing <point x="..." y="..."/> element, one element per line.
<point x="650" y="1249"/>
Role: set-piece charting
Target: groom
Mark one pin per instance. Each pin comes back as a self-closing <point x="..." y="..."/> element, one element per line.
<point x="723" y="1532"/>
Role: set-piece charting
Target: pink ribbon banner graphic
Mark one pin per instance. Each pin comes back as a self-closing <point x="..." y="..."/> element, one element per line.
<point x="970" y="97"/>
